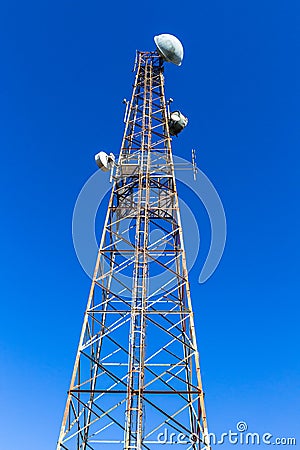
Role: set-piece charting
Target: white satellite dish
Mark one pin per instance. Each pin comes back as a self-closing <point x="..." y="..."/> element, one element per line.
<point x="104" y="161"/>
<point x="170" y="48"/>
<point x="177" y="122"/>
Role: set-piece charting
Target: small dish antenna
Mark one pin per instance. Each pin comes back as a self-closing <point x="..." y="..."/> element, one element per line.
<point x="170" y="48"/>
<point x="104" y="161"/>
<point x="177" y="122"/>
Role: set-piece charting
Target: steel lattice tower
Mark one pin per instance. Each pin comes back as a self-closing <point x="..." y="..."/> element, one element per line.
<point x="136" y="378"/>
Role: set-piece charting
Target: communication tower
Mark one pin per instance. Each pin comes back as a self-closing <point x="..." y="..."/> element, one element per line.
<point x="136" y="382"/>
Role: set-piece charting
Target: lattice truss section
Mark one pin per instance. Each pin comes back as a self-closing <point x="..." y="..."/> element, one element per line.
<point x="136" y="382"/>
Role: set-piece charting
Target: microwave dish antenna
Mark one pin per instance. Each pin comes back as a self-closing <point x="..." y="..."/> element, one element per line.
<point x="170" y="48"/>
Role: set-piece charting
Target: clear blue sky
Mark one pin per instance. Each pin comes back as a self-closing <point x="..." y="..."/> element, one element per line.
<point x="65" y="68"/>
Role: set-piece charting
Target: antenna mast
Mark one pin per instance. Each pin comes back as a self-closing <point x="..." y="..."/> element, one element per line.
<point x="136" y="382"/>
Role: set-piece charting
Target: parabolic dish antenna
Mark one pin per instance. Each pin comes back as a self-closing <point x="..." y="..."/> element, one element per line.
<point x="104" y="161"/>
<point x="170" y="48"/>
